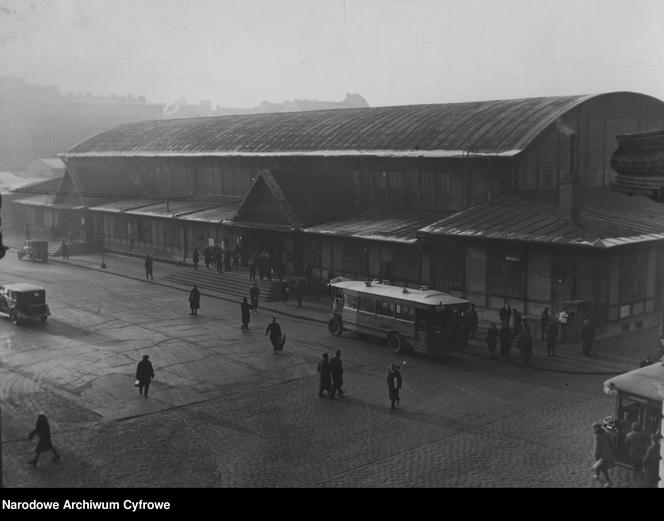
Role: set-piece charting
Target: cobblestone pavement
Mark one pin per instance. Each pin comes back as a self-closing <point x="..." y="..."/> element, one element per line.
<point x="225" y="411"/>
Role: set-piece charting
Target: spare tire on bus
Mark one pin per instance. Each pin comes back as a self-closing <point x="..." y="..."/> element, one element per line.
<point x="396" y="343"/>
<point x="335" y="326"/>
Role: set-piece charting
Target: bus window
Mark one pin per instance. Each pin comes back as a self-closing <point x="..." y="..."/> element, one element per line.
<point x="404" y="312"/>
<point x="367" y="304"/>
<point x="351" y="301"/>
<point x="385" y="308"/>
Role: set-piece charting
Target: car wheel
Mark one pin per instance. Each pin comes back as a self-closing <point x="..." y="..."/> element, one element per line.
<point x="13" y="317"/>
<point x="395" y="343"/>
<point x="335" y="326"/>
<point x="38" y="258"/>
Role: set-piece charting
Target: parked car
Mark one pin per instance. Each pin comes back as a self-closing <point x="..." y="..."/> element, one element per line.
<point x="35" y="251"/>
<point x="23" y="301"/>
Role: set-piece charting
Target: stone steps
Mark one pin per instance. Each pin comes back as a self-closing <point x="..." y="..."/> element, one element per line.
<point x="73" y="248"/>
<point x="235" y="282"/>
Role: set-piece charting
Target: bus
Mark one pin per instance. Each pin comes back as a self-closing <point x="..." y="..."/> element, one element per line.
<point x="638" y="399"/>
<point x="410" y="320"/>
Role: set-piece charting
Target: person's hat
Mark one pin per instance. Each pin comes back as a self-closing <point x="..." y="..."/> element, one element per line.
<point x="145" y="357"/>
<point x="338" y="352"/>
<point x="597" y="425"/>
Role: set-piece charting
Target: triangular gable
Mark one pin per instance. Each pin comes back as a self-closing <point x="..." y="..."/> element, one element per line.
<point x="69" y="189"/>
<point x="265" y="203"/>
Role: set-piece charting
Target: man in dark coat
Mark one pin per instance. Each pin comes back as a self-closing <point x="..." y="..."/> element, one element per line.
<point x="544" y="321"/>
<point x="472" y="320"/>
<point x="587" y="336"/>
<point x="325" y="381"/>
<point x="603" y="454"/>
<point x="492" y="338"/>
<point x="505" y="335"/>
<point x="245" y="308"/>
<point x="298" y="290"/>
<point x="194" y="300"/>
<point x="254" y="293"/>
<point x="525" y="342"/>
<point x="505" y="314"/>
<point x="516" y="323"/>
<point x="637" y="441"/>
<point x="337" y="371"/>
<point x="285" y="291"/>
<point x="144" y="375"/>
<point x="195" y="258"/>
<point x="207" y="256"/>
<point x="43" y="430"/>
<point x="394" y="382"/>
<point x="651" y="461"/>
<point x="274" y="330"/>
<point x="252" y="266"/>
<point x="551" y="336"/>
<point x="148" y="267"/>
<point x="64" y="251"/>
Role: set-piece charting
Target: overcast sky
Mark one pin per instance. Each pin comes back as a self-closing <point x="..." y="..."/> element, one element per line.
<point x="239" y="53"/>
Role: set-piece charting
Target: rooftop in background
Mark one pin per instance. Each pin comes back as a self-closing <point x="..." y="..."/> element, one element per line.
<point x="501" y="128"/>
<point x="16" y="89"/>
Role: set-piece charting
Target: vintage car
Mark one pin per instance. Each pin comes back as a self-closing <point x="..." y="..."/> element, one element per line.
<point x="23" y="301"/>
<point x="35" y="251"/>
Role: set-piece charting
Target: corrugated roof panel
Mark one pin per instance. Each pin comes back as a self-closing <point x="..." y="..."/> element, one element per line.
<point x="492" y="127"/>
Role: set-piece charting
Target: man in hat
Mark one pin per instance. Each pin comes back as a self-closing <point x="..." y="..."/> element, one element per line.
<point x="603" y="454"/>
<point x="144" y="375"/>
<point x="637" y="441"/>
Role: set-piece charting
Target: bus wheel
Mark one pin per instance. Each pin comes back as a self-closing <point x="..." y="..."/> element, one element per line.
<point x="13" y="317"/>
<point x="335" y="326"/>
<point x="396" y="343"/>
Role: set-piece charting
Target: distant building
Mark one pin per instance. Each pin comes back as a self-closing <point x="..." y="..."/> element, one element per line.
<point x="182" y="109"/>
<point x="40" y="122"/>
<point x="494" y="200"/>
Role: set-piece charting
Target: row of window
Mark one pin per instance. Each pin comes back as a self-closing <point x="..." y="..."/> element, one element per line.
<point x="379" y="307"/>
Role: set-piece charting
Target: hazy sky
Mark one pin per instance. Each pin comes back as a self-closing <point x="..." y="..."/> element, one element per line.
<point x="238" y="53"/>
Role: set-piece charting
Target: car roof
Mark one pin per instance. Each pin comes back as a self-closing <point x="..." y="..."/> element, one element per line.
<point x="430" y="297"/>
<point x="23" y="286"/>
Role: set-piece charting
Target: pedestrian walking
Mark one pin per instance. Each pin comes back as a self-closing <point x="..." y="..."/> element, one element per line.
<point x="195" y="258"/>
<point x="394" y="383"/>
<point x="603" y="454"/>
<point x="516" y="323"/>
<point x="505" y="313"/>
<point x="551" y="337"/>
<point x="325" y="378"/>
<point x="525" y="343"/>
<point x="492" y="338"/>
<point x="298" y="290"/>
<point x="505" y="336"/>
<point x="252" y="266"/>
<point x="254" y="294"/>
<point x="144" y="375"/>
<point x="276" y="338"/>
<point x="148" y="267"/>
<point x="43" y="431"/>
<point x="637" y="442"/>
<point x="194" y="300"/>
<point x="651" y="462"/>
<point x="544" y="321"/>
<point x="285" y="290"/>
<point x="245" y="308"/>
<point x="207" y="256"/>
<point x="587" y="336"/>
<point x="337" y="371"/>
<point x="64" y="251"/>
<point x="472" y="320"/>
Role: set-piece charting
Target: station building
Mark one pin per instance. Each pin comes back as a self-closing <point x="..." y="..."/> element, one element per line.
<point x="494" y="200"/>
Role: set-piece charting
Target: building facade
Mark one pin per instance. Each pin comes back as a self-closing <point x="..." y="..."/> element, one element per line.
<point x="418" y="195"/>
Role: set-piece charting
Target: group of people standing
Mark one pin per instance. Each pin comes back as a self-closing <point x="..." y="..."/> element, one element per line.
<point x="267" y="265"/>
<point x="222" y="259"/>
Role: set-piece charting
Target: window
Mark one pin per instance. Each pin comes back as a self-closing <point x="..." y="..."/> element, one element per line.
<point x="505" y="274"/>
<point x="633" y="276"/>
<point x="445" y="183"/>
<point x="527" y="177"/>
<point x="396" y="187"/>
<point x="351" y="301"/>
<point x="385" y="308"/>
<point x="367" y="304"/>
<point x="404" y="312"/>
<point x="355" y="260"/>
<point x="548" y="179"/>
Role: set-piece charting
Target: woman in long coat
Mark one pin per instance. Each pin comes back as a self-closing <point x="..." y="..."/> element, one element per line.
<point x="394" y="384"/>
<point x="492" y="338"/>
<point x="651" y="461"/>
<point x="194" y="300"/>
<point x="43" y="430"/>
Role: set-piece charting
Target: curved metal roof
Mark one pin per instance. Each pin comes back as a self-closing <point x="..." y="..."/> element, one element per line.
<point x="497" y="128"/>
